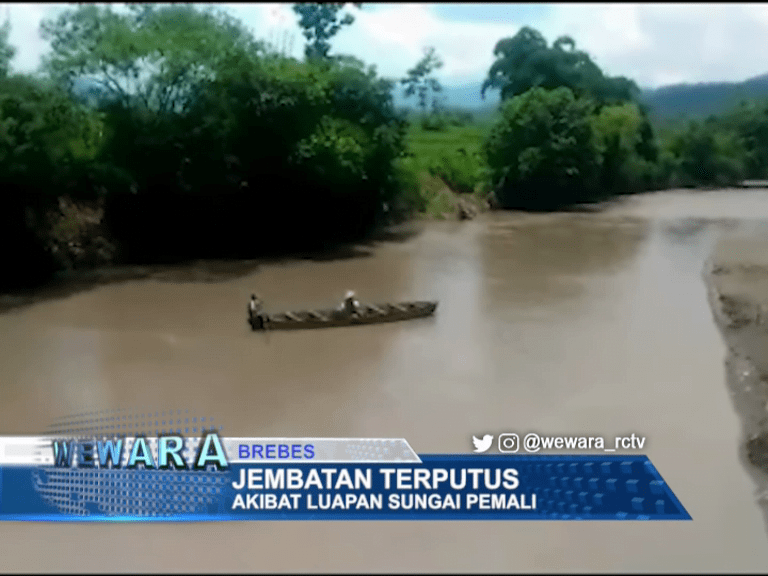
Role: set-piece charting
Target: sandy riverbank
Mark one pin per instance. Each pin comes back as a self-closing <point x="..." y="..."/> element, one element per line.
<point x="737" y="279"/>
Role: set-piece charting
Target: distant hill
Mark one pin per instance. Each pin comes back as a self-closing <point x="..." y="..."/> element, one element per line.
<point x="701" y="100"/>
<point x="666" y="103"/>
<point x="465" y="96"/>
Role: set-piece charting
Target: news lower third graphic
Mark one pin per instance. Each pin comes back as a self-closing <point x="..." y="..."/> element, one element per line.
<point x="165" y="466"/>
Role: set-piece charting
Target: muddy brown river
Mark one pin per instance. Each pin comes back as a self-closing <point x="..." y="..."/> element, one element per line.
<point x="594" y="324"/>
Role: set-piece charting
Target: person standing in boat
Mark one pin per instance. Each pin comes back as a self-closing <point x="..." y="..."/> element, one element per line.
<point x="255" y="312"/>
<point x="350" y="306"/>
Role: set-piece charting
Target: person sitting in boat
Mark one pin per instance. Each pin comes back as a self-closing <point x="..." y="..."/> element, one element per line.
<point x="350" y="306"/>
<point x="254" y="312"/>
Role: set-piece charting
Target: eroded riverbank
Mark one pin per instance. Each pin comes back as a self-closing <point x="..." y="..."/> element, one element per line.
<point x="737" y="278"/>
<point x="72" y="282"/>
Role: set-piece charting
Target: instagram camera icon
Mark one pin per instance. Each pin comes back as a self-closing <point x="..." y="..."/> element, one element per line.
<point x="509" y="443"/>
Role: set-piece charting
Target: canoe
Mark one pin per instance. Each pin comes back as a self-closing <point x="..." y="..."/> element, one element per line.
<point x="369" y="314"/>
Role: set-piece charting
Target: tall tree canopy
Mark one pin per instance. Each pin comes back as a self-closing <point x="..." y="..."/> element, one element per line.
<point x="319" y="23"/>
<point x="149" y="55"/>
<point x="7" y="52"/>
<point x="542" y="152"/>
<point x="420" y="81"/>
<point x="526" y="61"/>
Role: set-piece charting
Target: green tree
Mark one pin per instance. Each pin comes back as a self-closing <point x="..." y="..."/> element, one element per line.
<point x="421" y="82"/>
<point x="707" y="154"/>
<point x="42" y="131"/>
<point x="321" y="22"/>
<point x="208" y="145"/>
<point x="45" y="139"/>
<point x="150" y="56"/>
<point x="525" y="61"/>
<point x="7" y="52"/>
<point x="273" y="154"/>
<point x="542" y="153"/>
<point x="648" y="148"/>
<point x="749" y="121"/>
<point x="618" y="134"/>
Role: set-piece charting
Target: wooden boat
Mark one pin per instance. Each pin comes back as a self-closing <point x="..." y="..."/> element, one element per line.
<point x="368" y="314"/>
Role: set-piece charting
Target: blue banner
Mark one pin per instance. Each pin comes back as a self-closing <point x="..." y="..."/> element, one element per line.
<point x="440" y="487"/>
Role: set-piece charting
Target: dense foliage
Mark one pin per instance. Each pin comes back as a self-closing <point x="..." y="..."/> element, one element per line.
<point x="273" y="155"/>
<point x="569" y="134"/>
<point x="7" y="52"/>
<point x="543" y="152"/>
<point x="215" y="147"/>
<point x="320" y="23"/>
<point x="525" y="61"/>
<point x="160" y="133"/>
<point x="45" y="140"/>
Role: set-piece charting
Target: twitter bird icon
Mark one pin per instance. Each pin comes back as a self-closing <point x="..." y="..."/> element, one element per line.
<point x="482" y="444"/>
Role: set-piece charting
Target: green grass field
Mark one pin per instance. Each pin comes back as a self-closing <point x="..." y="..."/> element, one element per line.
<point x="430" y="146"/>
<point x="447" y="164"/>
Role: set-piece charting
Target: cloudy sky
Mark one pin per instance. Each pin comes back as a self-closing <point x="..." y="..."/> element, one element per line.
<point x="655" y="44"/>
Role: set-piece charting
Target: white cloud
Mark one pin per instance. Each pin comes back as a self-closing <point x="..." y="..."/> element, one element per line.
<point x="276" y="23"/>
<point x="25" y="35"/>
<point x="657" y="43"/>
<point x="651" y="43"/>
<point x="394" y="38"/>
<point x="391" y="37"/>
<point x="611" y="28"/>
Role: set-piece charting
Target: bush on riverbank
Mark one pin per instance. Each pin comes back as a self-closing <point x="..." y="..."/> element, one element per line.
<point x="570" y="134"/>
<point x="45" y="141"/>
<point x="543" y="153"/>
<point x="622" y="155"/>
<point x="272" y="154"/>
<point x="246" y="153"/>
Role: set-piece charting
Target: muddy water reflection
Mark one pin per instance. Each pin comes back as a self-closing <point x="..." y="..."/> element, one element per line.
<point x="539" y="259"/>
<point x="567" y="323"/>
